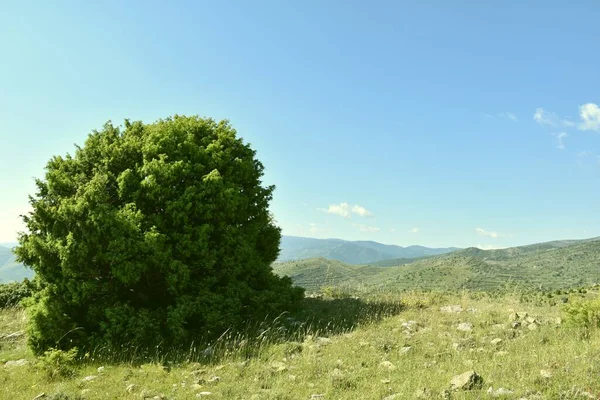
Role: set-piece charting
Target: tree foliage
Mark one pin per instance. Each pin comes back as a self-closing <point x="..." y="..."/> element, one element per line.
<point x="152" y="233"/>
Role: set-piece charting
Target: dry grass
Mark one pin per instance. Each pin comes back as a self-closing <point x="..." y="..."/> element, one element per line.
<point x="372" y="355"/>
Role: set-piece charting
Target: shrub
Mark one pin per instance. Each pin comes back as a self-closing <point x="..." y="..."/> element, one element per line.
<point x="155" y="233"/>
<point x="57" y="363"/>
<point x="585" y="314"/>
<point x="12" y="293"/>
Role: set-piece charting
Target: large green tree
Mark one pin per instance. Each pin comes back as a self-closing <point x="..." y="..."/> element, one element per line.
<point x="152" y="233"/>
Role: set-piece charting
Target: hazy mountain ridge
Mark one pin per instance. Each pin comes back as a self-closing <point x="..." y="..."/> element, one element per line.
<point x="10" y="269"/>
<point x="550" y="265"/>
<point x="352" y="252"/>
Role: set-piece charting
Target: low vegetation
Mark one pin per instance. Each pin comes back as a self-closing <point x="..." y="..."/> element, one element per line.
<point x="344" y="345"/>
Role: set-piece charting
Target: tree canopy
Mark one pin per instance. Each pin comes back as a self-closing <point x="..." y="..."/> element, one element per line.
<point x="152" y="233"/>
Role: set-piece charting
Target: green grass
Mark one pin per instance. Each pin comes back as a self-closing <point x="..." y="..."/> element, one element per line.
<point x="342" y="348"/>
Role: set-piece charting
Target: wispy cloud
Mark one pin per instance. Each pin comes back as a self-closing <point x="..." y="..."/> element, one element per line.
<point x="544" y="117"/>
<point x="590" y="117"/>
<point x="508" y="116"/>
<point x="366" y="228"/>
<point x="414" y="230"/>
<point x="492" y="234"/>
<point x="314" y="228"/>
<point x="560" y="144"/>
<point x="344" y="210"/>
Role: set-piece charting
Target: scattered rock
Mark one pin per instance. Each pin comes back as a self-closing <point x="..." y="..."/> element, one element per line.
<point x="445" y="394"/>
<point x="195" y="386"/>
<point x="558" y="321"/>
<point x="12" y="336"/>
<point x="422" y="394"/>
<point x="532" y="327"/>
<point x="214" y="379"/>
<point x="499" y="392"/>
<point x="278" y="366"/>
<point x="451" y="309"/>
<point x="387" y="365"/>
<point x="317" y="396"/>
<point x="545" y="373"/>
<point x="512" y="317"/>
<point x="16" y="363"/>
<point x="100" y="370"/>
<point x="40" y="396"/>
<point x="496" y="341"/>
<point x="203" y="394"/>
<point x="89" y="378"/>
<point x="522" y="315"/>
<point x="405" y="349"/>
<point x="292" y="377"/>
<point x="392" y="397"/>
<point x="323" y="341"/>
<point x="385" y="381"/>
<point x="465" y="327"/>
<point x="466" y="381"/>
<point x="501" y="353"/>
<point x="515" y="324"/>
<point x="131" y="388"/>
<point x="530" y="320"/>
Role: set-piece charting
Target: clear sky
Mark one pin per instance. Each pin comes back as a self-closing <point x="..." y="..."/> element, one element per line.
<point x="440" y="123"/>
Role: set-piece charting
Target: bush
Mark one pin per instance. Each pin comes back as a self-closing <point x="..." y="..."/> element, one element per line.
<point x="12" y="293"/>
<point x="155" y="233"/>
<point x="585" y="314"/>
<point x="57" y="363"/>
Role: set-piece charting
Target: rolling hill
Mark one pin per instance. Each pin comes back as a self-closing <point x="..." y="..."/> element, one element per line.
<point x="544" y="266"/>
<point x="357" y="252"/>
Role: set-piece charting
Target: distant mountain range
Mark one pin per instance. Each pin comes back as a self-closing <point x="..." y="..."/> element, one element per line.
<point x="352" y="252"/>
<point x="10" y="269"/>
<point x="544" y="266"/>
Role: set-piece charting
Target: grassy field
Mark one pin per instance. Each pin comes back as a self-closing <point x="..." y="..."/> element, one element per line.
<point x="365" y="346"/>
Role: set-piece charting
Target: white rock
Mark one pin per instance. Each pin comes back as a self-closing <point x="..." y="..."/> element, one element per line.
<point x="16" y="363"/>
<point x="405" y="349"/>
<point x="100" y="370"/>
<point x="545" y="373"/>
<point x="496" y="341"/>
<point x="451" y="309"/>
<point x="387" y="365"/>
<point x="465" y="327"/>
<point x="89" y="378"/>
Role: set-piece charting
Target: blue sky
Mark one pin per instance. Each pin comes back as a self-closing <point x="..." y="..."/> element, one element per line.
<point x="407" y="122"/>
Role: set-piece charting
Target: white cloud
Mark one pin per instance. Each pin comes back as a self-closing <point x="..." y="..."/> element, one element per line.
<point x="590" y="117"/>
<point x="508" y="116"/>
<point x="492" y="234"/>
<point x="559" y="140"/>
<point x="582" y="156"/>
<point x="360" y="210"/>
<point x="342" y="209"/>
<point x="414" y="230"/>
<point x="365" y="228"/>
<point x="489" y="247"/>
<point x="544" y="117"/>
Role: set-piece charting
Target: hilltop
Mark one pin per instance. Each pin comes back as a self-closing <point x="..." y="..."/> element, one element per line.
<point x="352" y="252"/>
<point x="544" y="266"/>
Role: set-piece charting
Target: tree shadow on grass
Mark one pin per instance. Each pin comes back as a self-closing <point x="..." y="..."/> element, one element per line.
<point x="315" y="317"/>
